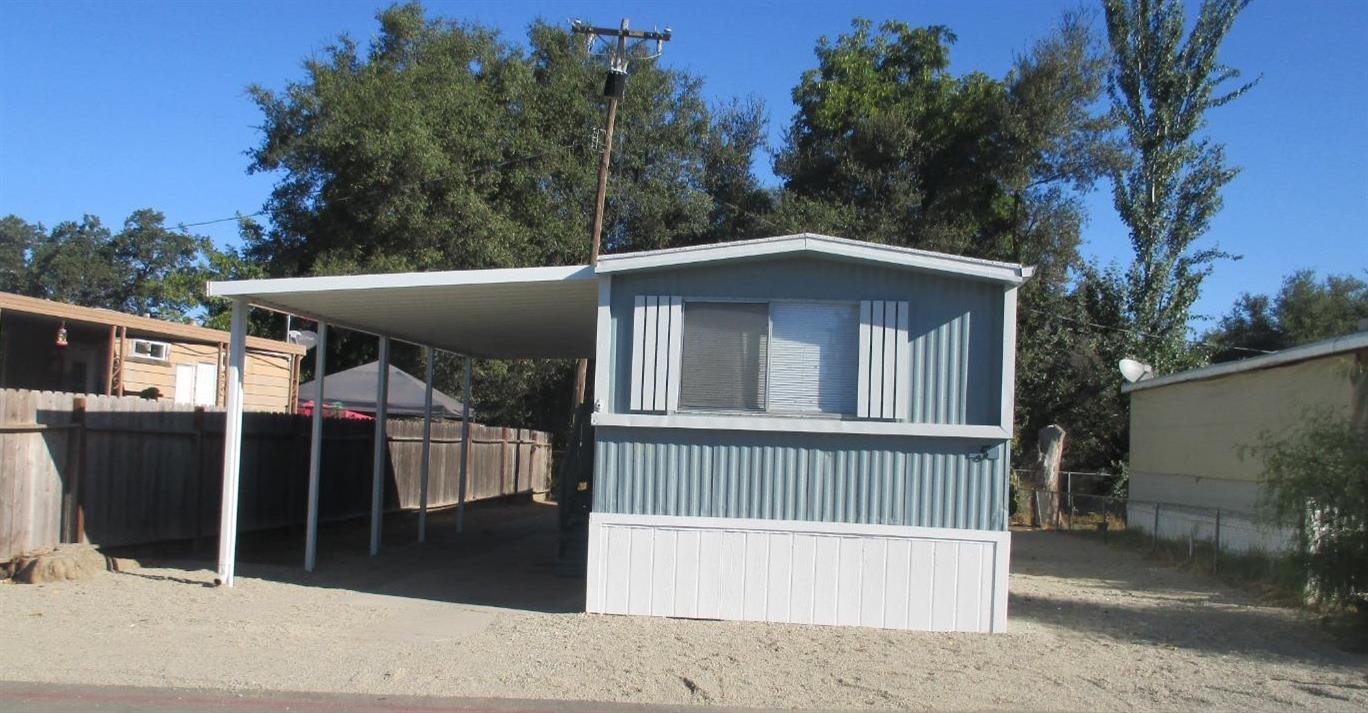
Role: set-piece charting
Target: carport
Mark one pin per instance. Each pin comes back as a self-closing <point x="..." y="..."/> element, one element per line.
<point x="519" y="313"/>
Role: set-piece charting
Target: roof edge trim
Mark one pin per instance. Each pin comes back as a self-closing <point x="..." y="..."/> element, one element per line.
<point x="821" y="244"/>
<point x="1314" y="350"/>
<point x="447" y="278"/>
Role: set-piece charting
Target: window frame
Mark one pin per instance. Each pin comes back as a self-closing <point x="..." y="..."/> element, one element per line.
<point x="766" y="411"/>
<point x="165" y="347"/>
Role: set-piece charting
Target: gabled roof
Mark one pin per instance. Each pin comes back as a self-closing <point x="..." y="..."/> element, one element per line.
<point x="840" y="248"/>
<point x="1329" y="347"/>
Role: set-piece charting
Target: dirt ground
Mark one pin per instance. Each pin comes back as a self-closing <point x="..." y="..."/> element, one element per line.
<point x="479" y="614"/>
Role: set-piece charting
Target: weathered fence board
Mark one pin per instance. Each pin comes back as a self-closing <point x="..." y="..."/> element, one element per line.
<point x="144" y="471"/>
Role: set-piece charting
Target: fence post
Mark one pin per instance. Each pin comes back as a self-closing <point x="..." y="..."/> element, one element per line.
<point x="72" y="512"/>
<point x="1068" y="479"/>
<point x="197" y="475"/>
<point x="1216" y="551"/>
<point x="1154" y="533"/>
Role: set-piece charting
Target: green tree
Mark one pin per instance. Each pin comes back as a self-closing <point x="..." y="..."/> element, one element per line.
<point x="17" y="240"/>
<point x="145" y="268"/>
<point x="1315" y="482"/>
<point x="890" y="146"/>
<point x="162" y="275"/>
<point x="75" y="263"/>
<point x="1304" y="310"/>
<point x="1161" y="86"/>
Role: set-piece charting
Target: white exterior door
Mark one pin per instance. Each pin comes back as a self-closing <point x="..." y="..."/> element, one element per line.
<point x="206" y="384"/>
<point x="197" y="384"/>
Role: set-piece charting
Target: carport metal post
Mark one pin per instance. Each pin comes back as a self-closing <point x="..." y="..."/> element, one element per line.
<point x="232" y="444"/>
<point x="316" y="449"/>
<point x="466" y="453"/>
<point x="427" y="448"/>
<point x="378" y="460"/>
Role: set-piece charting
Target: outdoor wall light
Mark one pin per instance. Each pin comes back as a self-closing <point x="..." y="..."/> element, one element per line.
<point x="62" y="335"/>
<point x="986" y="453"/>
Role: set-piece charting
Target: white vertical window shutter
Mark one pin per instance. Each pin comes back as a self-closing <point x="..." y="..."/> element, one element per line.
<point x="674" y="350"/>
<point x="656" y="322"/>
<point x="884" y="367"/>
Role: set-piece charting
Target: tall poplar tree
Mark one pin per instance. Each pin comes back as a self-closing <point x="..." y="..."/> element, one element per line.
<point x="1164" y="78"/>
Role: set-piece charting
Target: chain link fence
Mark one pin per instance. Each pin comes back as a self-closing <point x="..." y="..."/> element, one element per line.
<point x="1087" y="503"/>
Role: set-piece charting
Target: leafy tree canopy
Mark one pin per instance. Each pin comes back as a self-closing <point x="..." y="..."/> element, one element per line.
<point x="145" y="268"/>
<point x="1164" y="78"/>
<point x="443" y="146"/>
<point x="1304" y="310"/>
<point x="888" y="145"/>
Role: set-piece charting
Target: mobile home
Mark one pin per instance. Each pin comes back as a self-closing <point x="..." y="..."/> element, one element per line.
<point x="799" y="429"/>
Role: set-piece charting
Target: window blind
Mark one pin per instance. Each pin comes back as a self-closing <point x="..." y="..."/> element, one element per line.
<point x="814" y="360"/>
<point x="725" y="355"/>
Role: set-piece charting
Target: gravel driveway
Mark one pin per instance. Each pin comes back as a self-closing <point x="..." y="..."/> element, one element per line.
<point x="1091" y="627"/>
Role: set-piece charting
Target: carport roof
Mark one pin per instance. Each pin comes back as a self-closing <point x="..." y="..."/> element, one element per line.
<point x="530" y="312"/>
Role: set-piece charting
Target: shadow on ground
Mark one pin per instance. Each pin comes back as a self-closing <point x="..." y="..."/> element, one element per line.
<point x="505" y="557"/>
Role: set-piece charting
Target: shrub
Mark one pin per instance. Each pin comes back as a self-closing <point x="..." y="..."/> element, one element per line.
<point x="1316" y="483"/>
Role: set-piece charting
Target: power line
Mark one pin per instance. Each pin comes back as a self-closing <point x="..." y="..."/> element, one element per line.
<point x="1137" y="333"/>
<point x="531" y="157"/>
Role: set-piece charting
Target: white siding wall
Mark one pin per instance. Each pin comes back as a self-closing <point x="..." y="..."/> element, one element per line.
<point x="885" y="576"/>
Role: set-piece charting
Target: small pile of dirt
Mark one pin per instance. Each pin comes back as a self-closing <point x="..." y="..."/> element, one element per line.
<point x="65" y="563"/>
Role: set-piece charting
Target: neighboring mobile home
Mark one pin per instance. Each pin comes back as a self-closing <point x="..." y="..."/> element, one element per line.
<point x="53" y="346"/>
<point x="800" y="429"/>
<point x="1189" y="431"/>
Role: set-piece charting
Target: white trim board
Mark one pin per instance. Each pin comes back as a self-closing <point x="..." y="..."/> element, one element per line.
<point x="819" y="244"/>
<point x="1329" y="347"/>
<point x="447" y="278"/>
<point x="896" y="577"/>
<point x="781" y="424"/>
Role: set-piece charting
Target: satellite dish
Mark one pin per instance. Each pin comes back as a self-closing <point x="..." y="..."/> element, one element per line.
<point x="303" y="337"/>
<point x="1134" y="371"/>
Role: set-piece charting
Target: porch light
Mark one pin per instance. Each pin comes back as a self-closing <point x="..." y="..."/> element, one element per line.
<point x="62" y="335"/>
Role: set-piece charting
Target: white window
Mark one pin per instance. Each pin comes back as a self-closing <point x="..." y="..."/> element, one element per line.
<point x="725" y="356"/>
<point x="148" y="349"/>
<point x="813" y="358"/>
<point x="841" y="359"/>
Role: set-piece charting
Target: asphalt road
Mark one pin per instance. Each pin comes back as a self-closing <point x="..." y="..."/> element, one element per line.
<point x="57" y="698"/>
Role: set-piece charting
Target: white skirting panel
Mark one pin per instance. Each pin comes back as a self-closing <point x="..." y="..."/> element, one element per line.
<point x="895" y="577"/>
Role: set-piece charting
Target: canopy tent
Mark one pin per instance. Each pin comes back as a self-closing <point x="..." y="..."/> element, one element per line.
<point x="354" y="390"/>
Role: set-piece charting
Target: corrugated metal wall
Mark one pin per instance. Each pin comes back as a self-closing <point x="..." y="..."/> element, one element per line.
<point x="955" y="325"/>
<point x="889" y="480"/>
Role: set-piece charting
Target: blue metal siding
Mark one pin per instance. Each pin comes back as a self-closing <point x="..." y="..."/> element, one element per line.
<point x="895" y="480"/>
<point x="955" y="326"/>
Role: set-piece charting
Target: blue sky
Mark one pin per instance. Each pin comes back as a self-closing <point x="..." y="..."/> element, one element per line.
<point x="106" y="107"/>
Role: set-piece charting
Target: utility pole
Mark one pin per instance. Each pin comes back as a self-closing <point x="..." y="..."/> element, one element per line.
<point x="614" y="85"/>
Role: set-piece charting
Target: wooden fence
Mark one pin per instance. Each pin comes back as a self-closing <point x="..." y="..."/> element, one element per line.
<point x="124" y="470"/>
